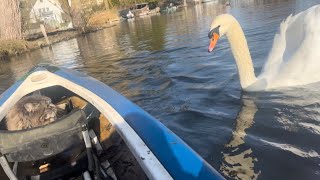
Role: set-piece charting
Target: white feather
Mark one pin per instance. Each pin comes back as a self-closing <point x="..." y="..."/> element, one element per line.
<point x="293" y="60"/>
<point x="295" y="56"/>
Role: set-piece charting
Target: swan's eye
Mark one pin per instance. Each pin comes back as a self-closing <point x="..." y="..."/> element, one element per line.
<point x="214" y="30"/>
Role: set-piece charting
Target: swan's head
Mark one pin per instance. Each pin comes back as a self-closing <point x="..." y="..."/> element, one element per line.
<point x="219" y="27"/>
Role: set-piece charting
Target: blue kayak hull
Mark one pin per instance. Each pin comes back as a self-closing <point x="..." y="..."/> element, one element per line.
<point x="180" y="161"/>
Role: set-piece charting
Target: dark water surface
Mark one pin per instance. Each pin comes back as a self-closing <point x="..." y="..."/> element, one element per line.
<point x="161" y="63"/>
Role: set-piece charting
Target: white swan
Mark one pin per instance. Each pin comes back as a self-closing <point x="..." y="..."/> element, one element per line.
<point x="294" y="58"/>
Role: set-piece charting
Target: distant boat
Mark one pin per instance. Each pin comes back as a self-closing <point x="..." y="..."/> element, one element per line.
<point x="206" y="1"/>
<point x="169" y="9"/>
<point x="143" y="10"/>
<point x="81" y="143"/>
<point x="130" y="15"/>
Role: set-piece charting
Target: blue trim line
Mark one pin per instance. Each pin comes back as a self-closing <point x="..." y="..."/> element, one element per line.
<point x="5" y="95"/>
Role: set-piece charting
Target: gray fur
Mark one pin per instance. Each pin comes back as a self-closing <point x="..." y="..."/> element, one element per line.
<point x="30" y="112"/>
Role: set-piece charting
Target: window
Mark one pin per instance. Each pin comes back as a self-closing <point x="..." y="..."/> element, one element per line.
<point x="41" y="0"/>
<point x="47" y="9"/>
<point x="39" y="10"/>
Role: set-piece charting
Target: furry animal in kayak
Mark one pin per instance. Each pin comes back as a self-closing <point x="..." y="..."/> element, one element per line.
<point x="31" y="111"/>
<point x="154" y="153"/>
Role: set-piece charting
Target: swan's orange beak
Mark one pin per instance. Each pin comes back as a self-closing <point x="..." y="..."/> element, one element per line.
<point x="213" y="42"/>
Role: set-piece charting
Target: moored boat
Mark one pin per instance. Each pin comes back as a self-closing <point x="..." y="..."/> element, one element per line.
<point x="100" y="129"/>
<point x="169" y="9"/>
<point x="130" y="15"/>
<point x="207" y="1"/>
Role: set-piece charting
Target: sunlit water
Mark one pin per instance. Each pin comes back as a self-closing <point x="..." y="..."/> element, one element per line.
<point x="161" y="63"/>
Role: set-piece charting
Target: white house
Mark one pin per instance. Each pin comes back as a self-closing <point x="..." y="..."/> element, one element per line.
<point x="49" y="11"/>
<point x="99" y="2"/>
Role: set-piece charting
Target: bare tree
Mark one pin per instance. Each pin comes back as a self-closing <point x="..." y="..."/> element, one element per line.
<point x="106" y="4"/>
<point x="10" y="19"/>
<point x="75" y="12"/>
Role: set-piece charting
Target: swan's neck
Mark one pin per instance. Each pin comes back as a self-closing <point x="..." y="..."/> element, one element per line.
<point x="241" y="54"/>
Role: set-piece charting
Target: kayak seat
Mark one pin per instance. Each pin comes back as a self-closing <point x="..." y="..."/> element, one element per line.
<point x="44" y="141"/>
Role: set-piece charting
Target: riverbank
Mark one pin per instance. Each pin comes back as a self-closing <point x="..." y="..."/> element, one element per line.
<point x="16" y="47"/>
<point x="98" y="21"/>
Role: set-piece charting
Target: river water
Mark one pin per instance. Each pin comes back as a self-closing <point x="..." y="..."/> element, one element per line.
<point x="161" y="63"/>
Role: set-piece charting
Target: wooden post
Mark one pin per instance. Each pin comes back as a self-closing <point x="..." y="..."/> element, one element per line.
<point x="70" y="13"/>
<point x="43" y="30"/>
<point x="184" y="2"/>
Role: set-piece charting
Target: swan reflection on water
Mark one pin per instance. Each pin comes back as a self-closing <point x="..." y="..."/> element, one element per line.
<point x="292" y="61"/>
<point x="238" y="162"/>
<point x="286" y="124"/>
